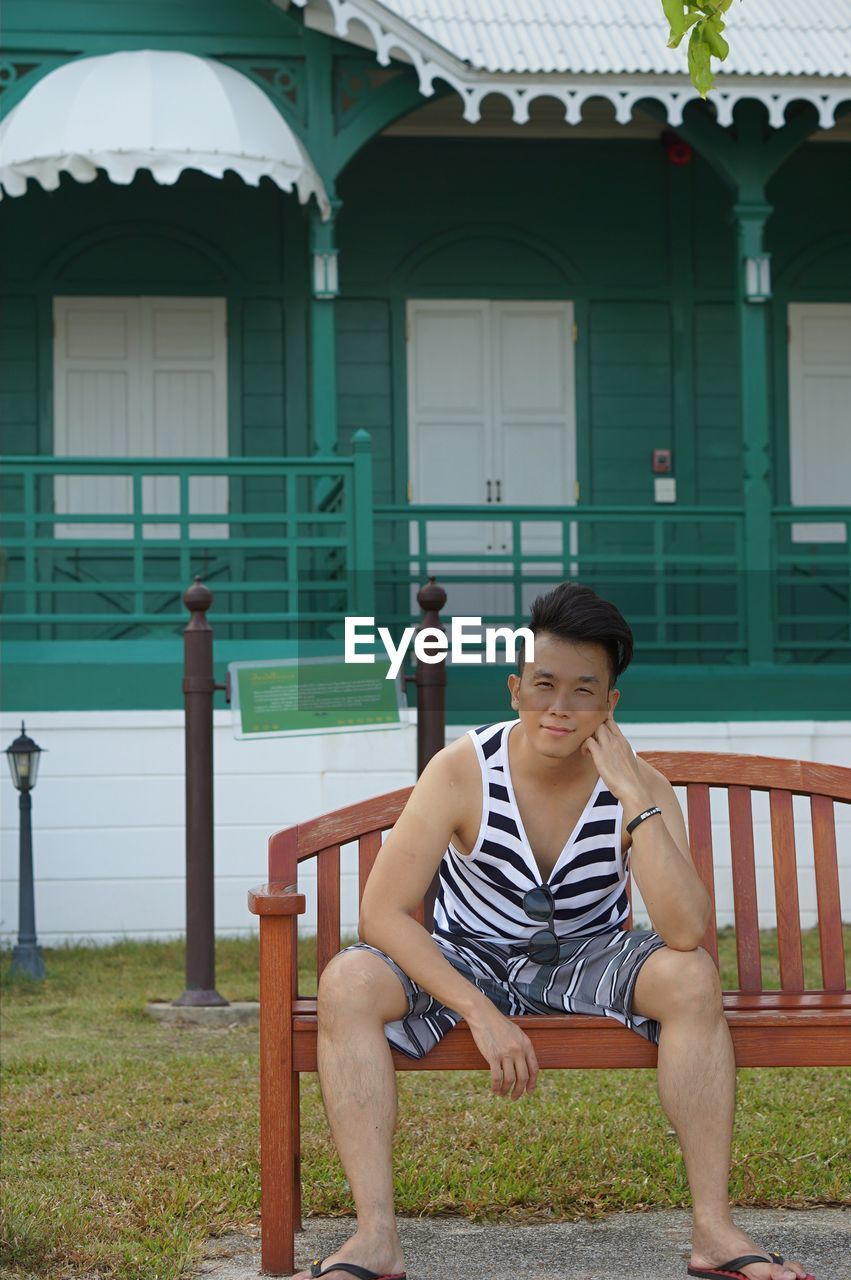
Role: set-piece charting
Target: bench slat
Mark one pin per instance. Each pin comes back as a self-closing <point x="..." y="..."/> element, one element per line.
<point x="376" y="814"/>
<point x="760" y="773"/>
<point x="700" y="843"/>
<point x="804" y="777"/>
<point x="761" y="1037"/>
<point x="327" y="906"/>
<point x="744" y="889"/>
<point x="811" y="1002"/>
<point x="283" y="856"/>
<point x="827" y="894"/>
<point x="786" y="891"/>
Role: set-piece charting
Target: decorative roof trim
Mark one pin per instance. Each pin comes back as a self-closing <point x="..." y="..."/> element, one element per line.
<point x="393" y="35"/>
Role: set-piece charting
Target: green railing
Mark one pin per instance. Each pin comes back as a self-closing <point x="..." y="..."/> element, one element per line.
<point x="290" y="547"/>
<point x="811" y="579"/>
<point x="676" y="573"/>
<point x="100" y="548"/>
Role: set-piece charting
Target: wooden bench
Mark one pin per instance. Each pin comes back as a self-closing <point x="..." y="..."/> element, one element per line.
<point x="789" y="1027"/>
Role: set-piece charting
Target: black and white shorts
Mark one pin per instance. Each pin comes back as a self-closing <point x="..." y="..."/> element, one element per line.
<point x="595" y="975"/>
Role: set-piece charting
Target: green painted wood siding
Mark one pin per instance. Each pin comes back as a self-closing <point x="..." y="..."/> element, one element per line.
<point x="630" y="397"/>
<point x="717" y="421"/>
<point x="365" y="384"/>
<point x="264" y="426"/>
<point x="19" y="374"/>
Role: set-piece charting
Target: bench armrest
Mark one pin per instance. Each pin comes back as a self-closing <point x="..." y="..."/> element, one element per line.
<point x="276" y="900"/>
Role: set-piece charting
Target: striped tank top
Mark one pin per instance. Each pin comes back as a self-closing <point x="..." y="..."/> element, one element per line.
<point x="480" y="894"/>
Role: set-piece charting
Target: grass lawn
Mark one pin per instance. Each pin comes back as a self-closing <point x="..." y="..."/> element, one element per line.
<point x="126" y="1143"/>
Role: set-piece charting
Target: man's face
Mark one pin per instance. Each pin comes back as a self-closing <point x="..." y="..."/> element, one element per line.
<point x="563" y="695"/>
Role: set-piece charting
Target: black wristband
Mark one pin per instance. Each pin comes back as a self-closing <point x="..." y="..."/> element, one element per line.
<point x="648" y="813"/>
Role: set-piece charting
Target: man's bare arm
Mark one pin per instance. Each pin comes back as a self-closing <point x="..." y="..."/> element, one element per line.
<point x="402" y="873"/>
<point x="676" y="901"/>
<point x="663" y="869"/>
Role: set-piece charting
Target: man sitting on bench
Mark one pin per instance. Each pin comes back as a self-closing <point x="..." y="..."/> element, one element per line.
<point x="535" y="824"/>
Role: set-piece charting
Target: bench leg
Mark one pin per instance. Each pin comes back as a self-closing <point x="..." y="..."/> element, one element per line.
<point x="278" y="1099"/>
<point x="296" y="1125"/>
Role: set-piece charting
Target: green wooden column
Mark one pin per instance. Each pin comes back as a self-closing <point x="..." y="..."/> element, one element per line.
<point x="319" y="85"/>
<point x="323" y="334"/>
<point x="332" y="138"/>
<point x="750" y="217"/>
<point x="745" y="157"/>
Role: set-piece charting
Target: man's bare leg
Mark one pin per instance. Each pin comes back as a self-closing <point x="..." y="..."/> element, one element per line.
<point x="357" y="995"/>
<point x="696" y="1078"/>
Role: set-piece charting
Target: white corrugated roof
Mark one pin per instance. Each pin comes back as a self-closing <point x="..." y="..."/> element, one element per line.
<point x="781" y="51"/>
<point x="767" y="37"/>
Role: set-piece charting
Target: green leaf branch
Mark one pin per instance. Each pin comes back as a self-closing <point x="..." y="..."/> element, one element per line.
<point x="703" y="19"/>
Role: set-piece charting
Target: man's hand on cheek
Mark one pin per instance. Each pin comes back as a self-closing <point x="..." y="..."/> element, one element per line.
<point x="615" y="761"/>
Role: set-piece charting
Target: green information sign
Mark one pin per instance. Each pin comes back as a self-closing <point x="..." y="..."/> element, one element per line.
<point x="312" y="695"/>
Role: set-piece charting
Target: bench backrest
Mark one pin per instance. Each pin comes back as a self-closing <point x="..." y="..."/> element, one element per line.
<point x="740" y="775"/>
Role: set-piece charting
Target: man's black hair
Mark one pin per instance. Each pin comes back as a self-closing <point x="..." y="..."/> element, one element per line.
<point x="573" y="612"/>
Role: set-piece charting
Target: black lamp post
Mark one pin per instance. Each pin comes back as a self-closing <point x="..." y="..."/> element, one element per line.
<point x="23" y="757"/>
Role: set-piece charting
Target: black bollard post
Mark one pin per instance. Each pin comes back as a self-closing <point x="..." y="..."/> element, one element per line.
<point x="430" y="680"/>
<point x="198" y="689"/>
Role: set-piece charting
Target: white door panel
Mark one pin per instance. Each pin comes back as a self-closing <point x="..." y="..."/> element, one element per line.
<point x="535" y="433"/>
<point x="535" y="436"/>
<point x="532" y="364"/>
<point x="463" y="445"/>
<point x="182" y="329"/>
<point x="98" y="409"/>
<point x="449" y="425"/>
<point x="825" y="331"/>
<point x="140" y="377"/>
<point x="183" y="403"/>
<point x="442" y="383"/>
<point x="535" y="461"/>
<point x="101" y="331"/>
<point x="819" y="413"/>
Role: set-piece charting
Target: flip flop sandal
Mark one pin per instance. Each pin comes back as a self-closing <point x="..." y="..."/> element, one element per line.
<point x="728" y="1269"/>
<point x="361" y="1273"/>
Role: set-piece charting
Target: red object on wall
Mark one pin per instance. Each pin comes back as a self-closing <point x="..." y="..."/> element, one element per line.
<point x="677" y="151"/>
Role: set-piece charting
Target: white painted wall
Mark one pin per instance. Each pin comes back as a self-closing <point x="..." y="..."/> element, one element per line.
<point x="109" y="804"/>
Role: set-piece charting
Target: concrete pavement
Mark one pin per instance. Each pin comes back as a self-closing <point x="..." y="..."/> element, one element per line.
<point x="625" y="1246"/>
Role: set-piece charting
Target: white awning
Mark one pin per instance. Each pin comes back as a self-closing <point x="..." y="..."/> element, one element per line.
<point x="160" y="110"/>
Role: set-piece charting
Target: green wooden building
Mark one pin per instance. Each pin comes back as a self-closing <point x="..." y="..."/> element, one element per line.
<point x="531" y="282"/>
<point x="318" y="299"/>
<point x="512" y="304"/>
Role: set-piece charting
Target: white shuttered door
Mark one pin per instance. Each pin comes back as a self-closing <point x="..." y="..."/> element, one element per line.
<point x="140" y="377"/>
<point x="819" y="412"/>
<point x="491" y="420"/>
